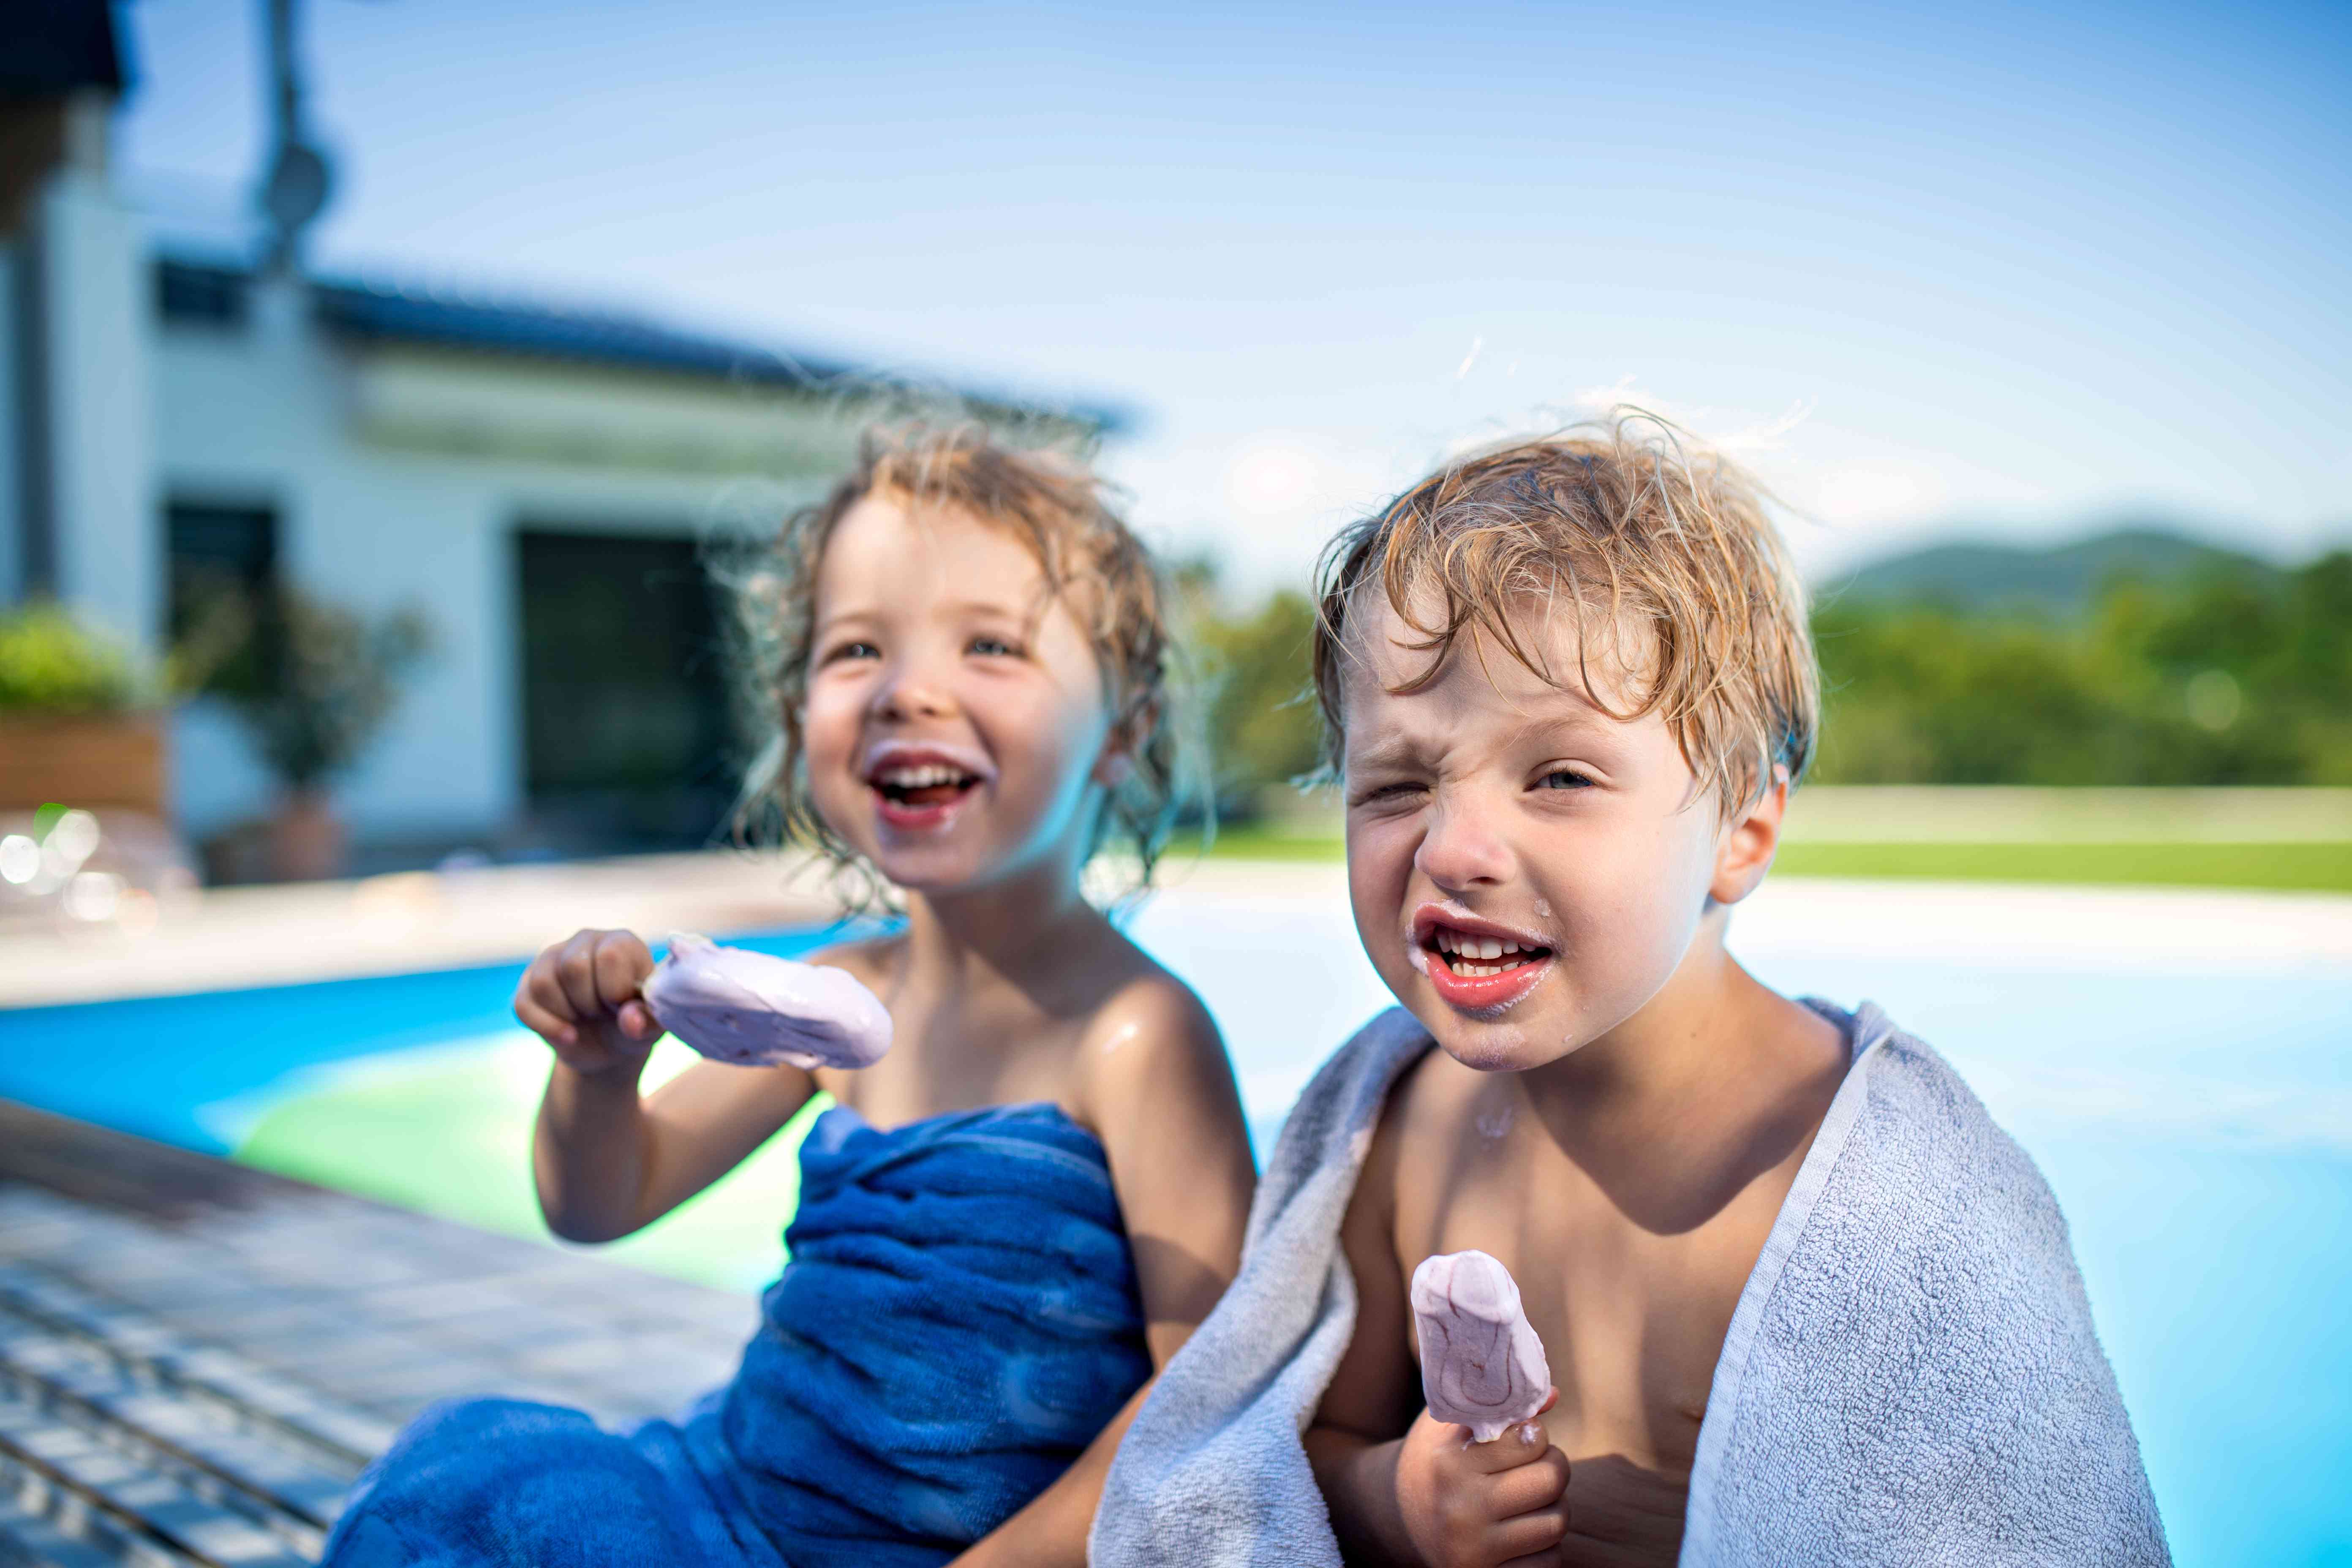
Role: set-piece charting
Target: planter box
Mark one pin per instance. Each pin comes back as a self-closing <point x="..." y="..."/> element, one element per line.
<point x="97" y="761"/>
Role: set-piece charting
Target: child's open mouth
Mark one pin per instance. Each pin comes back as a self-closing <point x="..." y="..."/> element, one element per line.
<point x="1478" y="969"/>
<point x="920" y="789"/>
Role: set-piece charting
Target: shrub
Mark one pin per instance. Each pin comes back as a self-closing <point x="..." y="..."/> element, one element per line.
<point x="51" y="663"/>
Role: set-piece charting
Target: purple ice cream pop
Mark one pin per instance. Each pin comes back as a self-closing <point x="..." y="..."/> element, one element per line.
<point x="1481" y="1363"/>
<point x="755" y="1010"/>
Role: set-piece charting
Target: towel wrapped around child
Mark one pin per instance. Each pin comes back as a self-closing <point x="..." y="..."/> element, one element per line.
<point x="959" y="1320"/>
<point x="1911" y="1374"/>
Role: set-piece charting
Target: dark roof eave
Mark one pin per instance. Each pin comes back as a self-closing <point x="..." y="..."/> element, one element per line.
<point x="366" y="313"/>
<point x="376" y="315"/>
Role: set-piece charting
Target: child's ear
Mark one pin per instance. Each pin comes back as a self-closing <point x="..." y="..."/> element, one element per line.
<point x="1749" y="843"/>
<point x="1117" y="763"/>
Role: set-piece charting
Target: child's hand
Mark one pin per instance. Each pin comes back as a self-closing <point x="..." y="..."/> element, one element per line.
<point x="582" y="996"/>
<point x="1477" y="1505"/>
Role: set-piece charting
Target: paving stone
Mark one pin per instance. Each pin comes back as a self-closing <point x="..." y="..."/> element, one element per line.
<point x="172" y="1369"/>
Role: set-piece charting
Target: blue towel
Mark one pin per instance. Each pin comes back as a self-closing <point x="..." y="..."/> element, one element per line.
<point x="958" y="1321"/>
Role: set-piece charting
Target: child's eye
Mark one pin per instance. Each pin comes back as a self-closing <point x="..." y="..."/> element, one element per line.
<point x="852" y="650"/>
<point x="1387" y="794"/>
<point x="993" y="648"/>
<point x="1563" y="778"/>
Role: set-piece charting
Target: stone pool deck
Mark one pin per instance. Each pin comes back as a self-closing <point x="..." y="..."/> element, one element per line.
<point x="197" y="1359"/>
<point x="225" y="938"/>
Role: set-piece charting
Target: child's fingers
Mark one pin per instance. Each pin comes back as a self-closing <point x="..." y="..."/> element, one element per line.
<point x="546" y="1024"/>
<point x="622" y="964"/>
<point x="575" y="972"/>
<point x="543" y="991"/>
<point x="1529" y="1537"/>
<point x="637" y="1022"/>
<point x="1530" y="1488"/>
<point x="1521" y="1444"/>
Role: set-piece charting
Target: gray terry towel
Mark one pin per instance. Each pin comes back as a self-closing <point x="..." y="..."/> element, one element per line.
<point x="1911" y="1375"/>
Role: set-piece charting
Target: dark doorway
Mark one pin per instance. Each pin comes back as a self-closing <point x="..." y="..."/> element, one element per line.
<point x="627" y="740"/>
<point x="216" y="548"/>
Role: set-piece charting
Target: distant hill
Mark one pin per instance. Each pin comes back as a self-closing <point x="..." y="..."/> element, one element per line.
<point x="2059" y="580"/>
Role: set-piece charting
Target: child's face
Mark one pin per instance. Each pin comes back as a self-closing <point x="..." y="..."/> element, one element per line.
<point x="1490" y="810"/>
<point x="957" y="719"/>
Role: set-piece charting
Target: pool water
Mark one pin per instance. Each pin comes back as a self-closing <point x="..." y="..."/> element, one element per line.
<point x="2195" y="1119"/>
<point x="418" y="1090"/>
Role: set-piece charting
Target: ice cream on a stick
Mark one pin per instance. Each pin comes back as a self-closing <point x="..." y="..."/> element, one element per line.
<point x="1481" y="1363"/>
<point x="757" y="1010"/>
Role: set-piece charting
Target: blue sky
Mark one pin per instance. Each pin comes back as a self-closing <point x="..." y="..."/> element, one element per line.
<point x="2020" y="266"/>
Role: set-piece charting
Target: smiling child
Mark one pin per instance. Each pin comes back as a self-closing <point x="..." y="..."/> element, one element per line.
<point x="1803" y="1302"/>
<point x="1010" y="1220"/>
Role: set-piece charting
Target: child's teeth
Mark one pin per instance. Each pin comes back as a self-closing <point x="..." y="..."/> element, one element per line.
<point x="1510" y="947"/>
<point x="923" y="777"/>
<point x="1461" y="966"/>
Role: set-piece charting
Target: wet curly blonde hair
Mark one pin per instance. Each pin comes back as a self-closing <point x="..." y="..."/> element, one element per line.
<point x="1093" y="564"/>
<point x="1659" y="551"/>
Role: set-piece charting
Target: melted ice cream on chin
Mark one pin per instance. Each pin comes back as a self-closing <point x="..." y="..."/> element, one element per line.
<point x="1482" y="1365"/>
<point x="754" y="1009"/>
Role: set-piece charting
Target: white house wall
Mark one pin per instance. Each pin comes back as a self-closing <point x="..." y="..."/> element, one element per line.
<point x="273" y="415"/>
<point x="11" y="478"/>
<point x="95" y="292"/>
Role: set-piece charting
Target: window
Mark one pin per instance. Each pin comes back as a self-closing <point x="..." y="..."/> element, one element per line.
<point x="187" y="294"/>
<point x="627" y="742"/>
<point x="213" y="548"/>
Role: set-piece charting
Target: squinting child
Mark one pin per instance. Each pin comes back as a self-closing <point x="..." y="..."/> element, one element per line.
<point x="1803" y="1302"/>
<point x="1013" y="1218"/>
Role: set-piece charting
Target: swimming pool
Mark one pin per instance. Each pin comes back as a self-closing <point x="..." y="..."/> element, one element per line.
<point x="2182" y="1074"/>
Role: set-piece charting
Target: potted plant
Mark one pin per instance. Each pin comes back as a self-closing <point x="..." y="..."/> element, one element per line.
<point x="79" y="718"/>
<point x="313" y="683"/>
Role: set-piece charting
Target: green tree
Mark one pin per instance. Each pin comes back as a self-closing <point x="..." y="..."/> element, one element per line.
<point x="1263" y="728"/>
<point x="2224" y="678"/>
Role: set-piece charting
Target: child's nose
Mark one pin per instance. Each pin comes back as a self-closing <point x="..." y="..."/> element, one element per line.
<point x="911" y="694"/>
<point x="1461" y="850"/>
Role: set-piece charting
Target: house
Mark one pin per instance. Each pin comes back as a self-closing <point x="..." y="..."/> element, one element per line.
<point x="540" y="481"/>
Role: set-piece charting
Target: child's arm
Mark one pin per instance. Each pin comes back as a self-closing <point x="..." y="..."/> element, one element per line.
<point x="607" y="1161"/>
<point x="1158" y="1090"/>
<point x="1402" y="1487"/>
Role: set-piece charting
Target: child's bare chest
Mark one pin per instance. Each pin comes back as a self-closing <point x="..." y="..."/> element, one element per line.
<point x="1632" y="1321"/>
<point x="1633" y="1326"/>
<point x="945" y="1065"/>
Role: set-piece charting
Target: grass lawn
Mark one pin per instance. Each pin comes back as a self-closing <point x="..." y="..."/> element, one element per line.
<point x="2310" y="868"/>
<point x="2307" y="867"/>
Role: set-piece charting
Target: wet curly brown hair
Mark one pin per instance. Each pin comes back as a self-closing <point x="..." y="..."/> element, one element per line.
<point x="1657" y="549"/>
<point x="1093" y="563"/>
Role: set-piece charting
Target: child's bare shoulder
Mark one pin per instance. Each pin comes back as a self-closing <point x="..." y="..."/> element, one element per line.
<point x="871" y="961"/>
<point x="1148" y="1048"/>
<point x="1147" y="1021"/>
<point x="1423" y="1113"/>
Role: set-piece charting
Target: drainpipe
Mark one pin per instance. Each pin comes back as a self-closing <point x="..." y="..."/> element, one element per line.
<point x="298" y="183"/>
